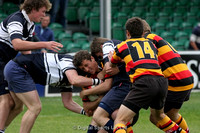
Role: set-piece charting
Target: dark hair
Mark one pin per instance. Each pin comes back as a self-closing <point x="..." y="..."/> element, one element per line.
<point x="29" y="5"/>
<point x="147" y="28"/>
<point x="135" y="26"/>
<point x="95" y="46"/>
<point x="80" y="56"/>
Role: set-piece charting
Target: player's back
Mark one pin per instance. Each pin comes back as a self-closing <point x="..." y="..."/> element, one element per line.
<point x="172" y="64"/>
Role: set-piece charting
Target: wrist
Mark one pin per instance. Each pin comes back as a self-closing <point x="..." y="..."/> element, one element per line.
<point x="82" y="112"/>
<point x="96" y="81"/>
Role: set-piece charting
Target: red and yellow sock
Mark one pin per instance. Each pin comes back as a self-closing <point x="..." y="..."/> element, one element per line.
<point x="119" y="128"/>
<point x="167" y="125"/>
<point x="129" y="128"/>
<point x="182" y="123"/>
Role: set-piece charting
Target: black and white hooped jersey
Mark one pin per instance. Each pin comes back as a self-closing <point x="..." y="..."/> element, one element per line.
<point x="47" y="68"/>
<point x="16" y="25"/>
<point x="109" y="46"/>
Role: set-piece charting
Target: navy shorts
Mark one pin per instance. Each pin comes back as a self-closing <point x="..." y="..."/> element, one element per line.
<point x="114" y="98"/>
<point x="3" y="83"/>
<point x="19" y="80"/>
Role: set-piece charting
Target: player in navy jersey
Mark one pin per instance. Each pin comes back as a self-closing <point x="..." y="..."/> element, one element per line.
<point x="87" y="63"/>
<point x="24" y="71"/>
<point x="16" y="32"/>
<point x="149" y="86"/>
<point x="100" y="48"/>
<point x="179" y="77"/>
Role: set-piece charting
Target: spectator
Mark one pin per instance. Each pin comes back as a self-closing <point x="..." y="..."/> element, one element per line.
<point x="195" y="38"/>
<point x="43" y="32"/>
<point x="58" y="11"/>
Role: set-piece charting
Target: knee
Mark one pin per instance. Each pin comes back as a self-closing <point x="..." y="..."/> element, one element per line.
<point x="36" y="109"/>
<point x="98" y="115"/>
<point x="95" y="116"/>
<point x="66" y="105"/>
<point x="7" y="102"/>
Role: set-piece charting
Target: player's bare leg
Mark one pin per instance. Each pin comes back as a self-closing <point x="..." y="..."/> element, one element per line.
<point x="176" y="117"/>
<point x="32" y="101"/>
<point x="17" y="109"/>
<point x="163" y="122"/>
<point x="6" y="104"/>
<point x="124" y="115"/>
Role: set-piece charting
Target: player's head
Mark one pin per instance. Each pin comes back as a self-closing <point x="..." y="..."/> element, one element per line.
<point x="134" y="27"/>
<point x="29" y="5"/>
<point x="86" y="62"/>
<point x="147" y="28"/>
<point x="96" y="47"/>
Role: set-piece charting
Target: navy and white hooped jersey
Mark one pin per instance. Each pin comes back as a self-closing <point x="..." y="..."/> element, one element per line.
<point x="109" y="46"/>
<point x="47" y="68"/>
<point x="17" y="25"/>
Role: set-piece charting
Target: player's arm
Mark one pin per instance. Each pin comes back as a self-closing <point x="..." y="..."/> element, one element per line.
<point x="108" y="70"/>
<point x="26" y="52"/>
<point x="90" y="107"/>
<point x="22" y="45"/>
<point x="194" y="46"/>
<point x="113" y="59"/>
<point x="69" y="103"/>
<point x="80" y="81"/>
<point x="99" y="89"/>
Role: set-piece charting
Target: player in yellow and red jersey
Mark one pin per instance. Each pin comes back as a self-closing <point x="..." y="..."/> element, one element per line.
<point x="179" y="77"/>
<point x="149" y="86"/>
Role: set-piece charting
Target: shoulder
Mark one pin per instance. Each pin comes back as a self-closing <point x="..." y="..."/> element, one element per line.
<point x="37" y="27"/>
<point x="17" y="16"/>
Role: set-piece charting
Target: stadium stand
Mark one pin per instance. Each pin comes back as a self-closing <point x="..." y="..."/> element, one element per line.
<point x="166" y="18"/>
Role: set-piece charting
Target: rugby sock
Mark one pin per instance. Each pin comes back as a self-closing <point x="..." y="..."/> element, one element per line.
<point x="1" y="131"/>
<point x="109" y="126"/>
<point x="167" y="125"/>
<point x="119" y="128"/>
<point x="129" y="128"/>
<point x="182" y="123"/>
<point x="92" y="129"/>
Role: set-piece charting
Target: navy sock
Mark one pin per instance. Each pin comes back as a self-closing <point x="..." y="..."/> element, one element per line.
<point x="109" y="126"/>
<point x="92" y="129"/>
<point x="1" y="131"/>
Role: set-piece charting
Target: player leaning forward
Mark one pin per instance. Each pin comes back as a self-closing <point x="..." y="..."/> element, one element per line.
<point x="149" y="87"/>
<point x="24" y="71"/>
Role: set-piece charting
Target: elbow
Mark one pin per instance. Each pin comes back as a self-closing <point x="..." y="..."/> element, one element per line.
<point x="73" y="82"/>
<point x="16" y="48"/>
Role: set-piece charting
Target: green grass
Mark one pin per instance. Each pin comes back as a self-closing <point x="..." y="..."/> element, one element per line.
<point x="54" y="118"/>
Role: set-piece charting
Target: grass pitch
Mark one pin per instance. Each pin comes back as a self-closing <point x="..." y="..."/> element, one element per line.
<point x="54" y="118"/>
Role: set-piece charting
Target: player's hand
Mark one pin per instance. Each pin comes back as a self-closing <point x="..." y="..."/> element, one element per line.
<point x="110" y="55"/>
<point x="89" y="113"/>
<point x="101" y="74"/>
<point x="54" y="46"/>
<point x="82" y="94"/>
<point x="112" y="70"/>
